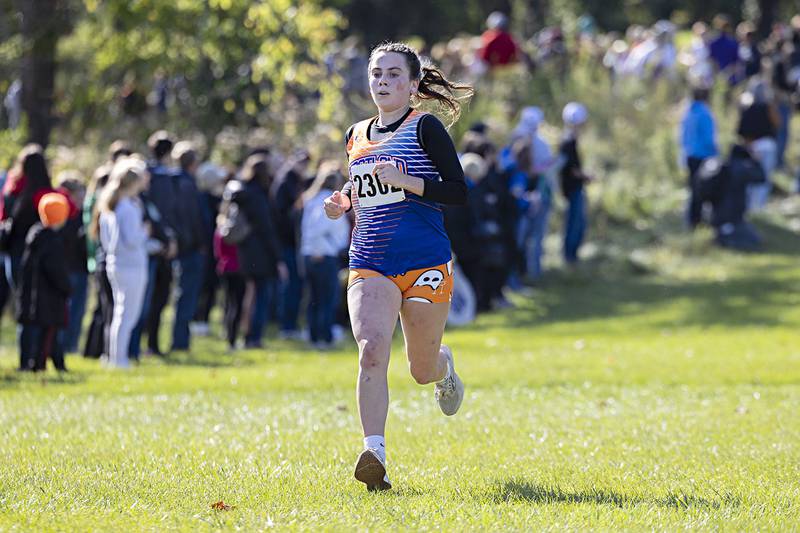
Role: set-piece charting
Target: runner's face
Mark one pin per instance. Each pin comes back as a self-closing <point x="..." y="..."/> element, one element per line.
<point x="389" y="81"/>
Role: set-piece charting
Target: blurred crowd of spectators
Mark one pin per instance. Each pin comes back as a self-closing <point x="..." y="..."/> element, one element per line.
<point x="160" y="225"/>
<point x="165" y="226"/>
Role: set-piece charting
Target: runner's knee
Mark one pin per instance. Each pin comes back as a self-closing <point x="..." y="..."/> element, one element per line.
<point x="372" y="355"/>
<point x="424" y="372"/>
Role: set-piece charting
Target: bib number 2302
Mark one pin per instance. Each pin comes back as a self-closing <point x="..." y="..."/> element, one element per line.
<point x="370" y="190"/>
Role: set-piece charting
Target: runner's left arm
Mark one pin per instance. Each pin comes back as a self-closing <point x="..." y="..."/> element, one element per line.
<point x="439" y="146"/>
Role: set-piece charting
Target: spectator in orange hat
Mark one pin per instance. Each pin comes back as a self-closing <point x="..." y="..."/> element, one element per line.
<point x="44" y="287"/>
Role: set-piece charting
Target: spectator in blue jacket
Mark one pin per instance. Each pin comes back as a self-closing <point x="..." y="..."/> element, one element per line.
<point x="698" y="143"/>
<point x="535" y="196"/>
<point x="573" y="180"/>
<point x="724" y="48"/>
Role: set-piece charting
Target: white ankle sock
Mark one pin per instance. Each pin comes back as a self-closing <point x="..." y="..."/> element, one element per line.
<point x="378" y="443"/>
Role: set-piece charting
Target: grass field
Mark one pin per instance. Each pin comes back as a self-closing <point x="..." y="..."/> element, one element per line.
<point x="661" y="392"/>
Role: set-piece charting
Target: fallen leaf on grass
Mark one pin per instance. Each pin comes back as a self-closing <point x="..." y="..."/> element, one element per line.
<point x="222" y="506"/>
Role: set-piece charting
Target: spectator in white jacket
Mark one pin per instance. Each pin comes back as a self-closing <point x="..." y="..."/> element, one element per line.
<point x="124" y="234"/>
<point x="322" y="240"/>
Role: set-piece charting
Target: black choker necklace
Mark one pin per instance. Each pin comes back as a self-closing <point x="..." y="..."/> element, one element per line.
<point x="390" y="127"/>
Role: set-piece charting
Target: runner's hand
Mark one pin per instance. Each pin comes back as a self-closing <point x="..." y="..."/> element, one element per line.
<point x="390" y="175"/>
<point x="336" y="205"/>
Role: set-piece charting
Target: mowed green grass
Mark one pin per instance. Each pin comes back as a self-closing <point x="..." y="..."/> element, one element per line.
<point x="610" y="399"/>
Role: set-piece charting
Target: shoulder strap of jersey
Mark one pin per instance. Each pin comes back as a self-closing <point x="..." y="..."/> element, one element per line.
<point x="359" y="134"/>
<point x="414" y="117"/>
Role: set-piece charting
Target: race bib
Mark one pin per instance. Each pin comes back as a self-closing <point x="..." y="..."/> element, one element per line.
<point x="371" y="192"/>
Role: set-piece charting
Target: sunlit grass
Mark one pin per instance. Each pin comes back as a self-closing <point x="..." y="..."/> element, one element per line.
<point x="661" y="393"/>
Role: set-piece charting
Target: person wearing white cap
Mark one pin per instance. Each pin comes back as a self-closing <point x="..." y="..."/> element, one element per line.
<point x="574" y="115"/>
<point x="573" y="179"/>
<point x="538" y="200"/>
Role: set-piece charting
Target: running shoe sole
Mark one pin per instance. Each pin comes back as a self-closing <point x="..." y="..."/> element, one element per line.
<point x="371" y="472"/>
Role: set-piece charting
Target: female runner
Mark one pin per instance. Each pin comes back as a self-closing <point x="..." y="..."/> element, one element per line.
<point x="402" y="165"/>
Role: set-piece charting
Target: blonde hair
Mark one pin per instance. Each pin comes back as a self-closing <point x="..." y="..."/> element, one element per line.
<point x="127" y="172"/>
<point x="184" y="153"/>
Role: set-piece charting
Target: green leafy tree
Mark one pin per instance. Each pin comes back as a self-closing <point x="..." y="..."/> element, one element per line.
<point x="378" y="20"/>
<point x="226" y="61"/>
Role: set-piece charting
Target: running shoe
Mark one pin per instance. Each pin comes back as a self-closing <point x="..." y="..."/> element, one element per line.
<point x="450" y="391"/>
<point x="371" y="471"/>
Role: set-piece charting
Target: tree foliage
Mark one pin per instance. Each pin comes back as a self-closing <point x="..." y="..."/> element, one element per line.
<point x="226" y="61"/>
<point x="369" y="20"/>
<point x="619" y="14"/>
<point x="249" y="63"/>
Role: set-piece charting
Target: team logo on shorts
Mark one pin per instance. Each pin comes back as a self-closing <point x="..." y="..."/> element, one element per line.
<point x="430" y="285"/>
<point x="430" y="278"/>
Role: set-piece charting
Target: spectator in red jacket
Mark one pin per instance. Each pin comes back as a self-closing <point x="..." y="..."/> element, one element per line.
<point x="498" y="46"/>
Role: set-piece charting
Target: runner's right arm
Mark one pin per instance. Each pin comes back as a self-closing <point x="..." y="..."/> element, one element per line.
<point x="348" y="185"/>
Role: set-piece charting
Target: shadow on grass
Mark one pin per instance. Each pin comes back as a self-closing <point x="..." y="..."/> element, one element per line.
<point x="753" y="300"/>
<point x="211" y="358"/>
<point x="12" y="378"/>
<point x="602" y="289"/>
<point x="526" y="492"/>
<point x="402" y="492"/>
<point x="214" y="355"/>
<point x="779" y="240"/>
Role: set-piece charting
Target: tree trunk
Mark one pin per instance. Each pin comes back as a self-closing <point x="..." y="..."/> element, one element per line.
<point x="41" y="28"/>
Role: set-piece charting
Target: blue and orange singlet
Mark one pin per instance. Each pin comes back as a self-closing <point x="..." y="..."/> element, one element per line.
<point x="396" y="231"/>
